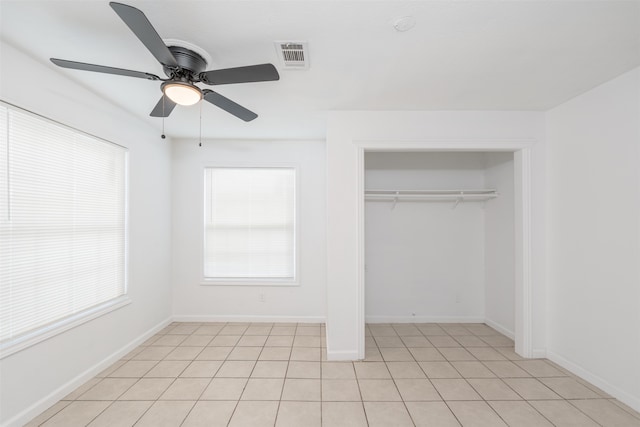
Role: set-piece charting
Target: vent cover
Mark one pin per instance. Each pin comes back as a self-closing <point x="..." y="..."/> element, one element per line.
<point x="293" y="55"/>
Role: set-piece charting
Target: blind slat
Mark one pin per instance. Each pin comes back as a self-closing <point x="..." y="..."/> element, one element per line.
<point x="250" y="223"/>
<point x="62" y="222"/>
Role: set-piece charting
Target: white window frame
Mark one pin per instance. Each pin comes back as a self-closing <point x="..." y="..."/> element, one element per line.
<point x="206" y="281"/>
<point x="64" y="324"/>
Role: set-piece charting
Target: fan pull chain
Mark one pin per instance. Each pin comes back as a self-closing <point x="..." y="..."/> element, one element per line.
<point x="200" y="143"/>
<point x="163" y="135"/>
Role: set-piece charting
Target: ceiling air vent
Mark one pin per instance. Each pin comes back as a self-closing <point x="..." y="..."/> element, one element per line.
<point x="293" y="55"/>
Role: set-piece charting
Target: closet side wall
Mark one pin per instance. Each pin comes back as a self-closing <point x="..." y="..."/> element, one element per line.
<point x="500" y="244"/>
<point x="424" y="260"/>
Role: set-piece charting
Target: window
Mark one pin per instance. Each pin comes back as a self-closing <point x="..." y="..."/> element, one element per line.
<point x="62" y="226"/>
<point x="250" y="225"/>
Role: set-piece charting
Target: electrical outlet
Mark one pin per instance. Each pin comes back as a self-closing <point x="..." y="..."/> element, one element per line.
<point x="261" y="297"/>
<point x="457" y="299"/>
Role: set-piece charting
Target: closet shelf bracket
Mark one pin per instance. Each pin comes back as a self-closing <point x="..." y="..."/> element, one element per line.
<point x="395" y="201"/>
<point x="458" y="200"/>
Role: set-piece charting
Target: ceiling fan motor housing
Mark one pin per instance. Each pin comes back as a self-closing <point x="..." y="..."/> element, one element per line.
<point x="190" y="64"/>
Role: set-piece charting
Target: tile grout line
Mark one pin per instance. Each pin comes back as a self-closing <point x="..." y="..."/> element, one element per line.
<point x="275" y="419"/>
<point x="487" y="402"/>
<point x="492" y="341"/>
<point x="235" y="408"/>
<point x="462" y="377"/>
<point x="580" y="410"/>
<point x="175" y="380"/>
<point x="208" y="384"/>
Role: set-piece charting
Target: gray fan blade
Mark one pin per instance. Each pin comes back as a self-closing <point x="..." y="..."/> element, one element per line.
<point x="142" y="28"/>
<point x="163" y="108"/>
<point x="102" y="69"/>
<point x="251" y="73"/>
<point x="228" y="105"/>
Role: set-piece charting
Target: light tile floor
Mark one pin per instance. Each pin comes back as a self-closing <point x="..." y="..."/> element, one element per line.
<point x="252" y="375"/>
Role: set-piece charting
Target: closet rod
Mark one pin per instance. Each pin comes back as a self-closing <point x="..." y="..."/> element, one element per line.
<point x="430" y="194"/>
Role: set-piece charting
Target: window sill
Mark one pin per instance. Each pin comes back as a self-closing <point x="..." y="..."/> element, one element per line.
<point x="46" y="332"/>
<point x="240" y="283"/>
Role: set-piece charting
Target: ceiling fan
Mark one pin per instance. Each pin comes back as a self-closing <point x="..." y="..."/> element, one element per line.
<point x="183" y="66"/>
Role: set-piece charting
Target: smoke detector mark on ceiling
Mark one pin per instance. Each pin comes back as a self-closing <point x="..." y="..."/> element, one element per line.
<point x="293" y="55"/>
<point x="404" y="24"/>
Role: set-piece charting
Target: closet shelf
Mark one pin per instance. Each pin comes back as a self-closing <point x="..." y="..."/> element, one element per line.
<point x="435" y="195"/>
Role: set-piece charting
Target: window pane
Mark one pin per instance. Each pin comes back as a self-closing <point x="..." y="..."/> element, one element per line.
<point x="250" y="223"/>
<point x="62" y="231"/>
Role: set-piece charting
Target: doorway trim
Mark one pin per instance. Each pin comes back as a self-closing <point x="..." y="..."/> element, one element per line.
<point x="521" y="148"/>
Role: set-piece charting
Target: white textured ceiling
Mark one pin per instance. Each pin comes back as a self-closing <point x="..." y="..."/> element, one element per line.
<point x="461" y="55"/>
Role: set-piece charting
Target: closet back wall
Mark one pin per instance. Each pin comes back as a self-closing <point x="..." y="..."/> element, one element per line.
<point x="424" y="260"/>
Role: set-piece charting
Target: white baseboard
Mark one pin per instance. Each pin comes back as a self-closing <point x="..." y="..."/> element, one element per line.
<point x="626" y="398"/>
<point x="247" y="318"/>
<point x="539" y="353"/>
<point x="498" y="327"/>
<point x="423" y="319"/>
<point x="342" y="355"/>
<point x="46" y="402"/>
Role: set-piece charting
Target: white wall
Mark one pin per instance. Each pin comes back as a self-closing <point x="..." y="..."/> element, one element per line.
<point x="191" y="300"/>
<point x="470" y="129"/>
<point x="34" y="378"/>
<point x="424" y="260"/>
<point x="594" y="236"/>
<point x="424" y="170"/>
<point x="499" y="244"/>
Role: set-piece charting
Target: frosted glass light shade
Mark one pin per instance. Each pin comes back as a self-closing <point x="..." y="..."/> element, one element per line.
<point x="182" y="93"/>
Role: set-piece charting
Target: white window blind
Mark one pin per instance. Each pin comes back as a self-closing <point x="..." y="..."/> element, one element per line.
<point x="250" y="223"/>
<point x="62" y="225"/>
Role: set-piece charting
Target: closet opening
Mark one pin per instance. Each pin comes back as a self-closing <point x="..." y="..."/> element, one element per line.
<point x="443" y="241"/>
